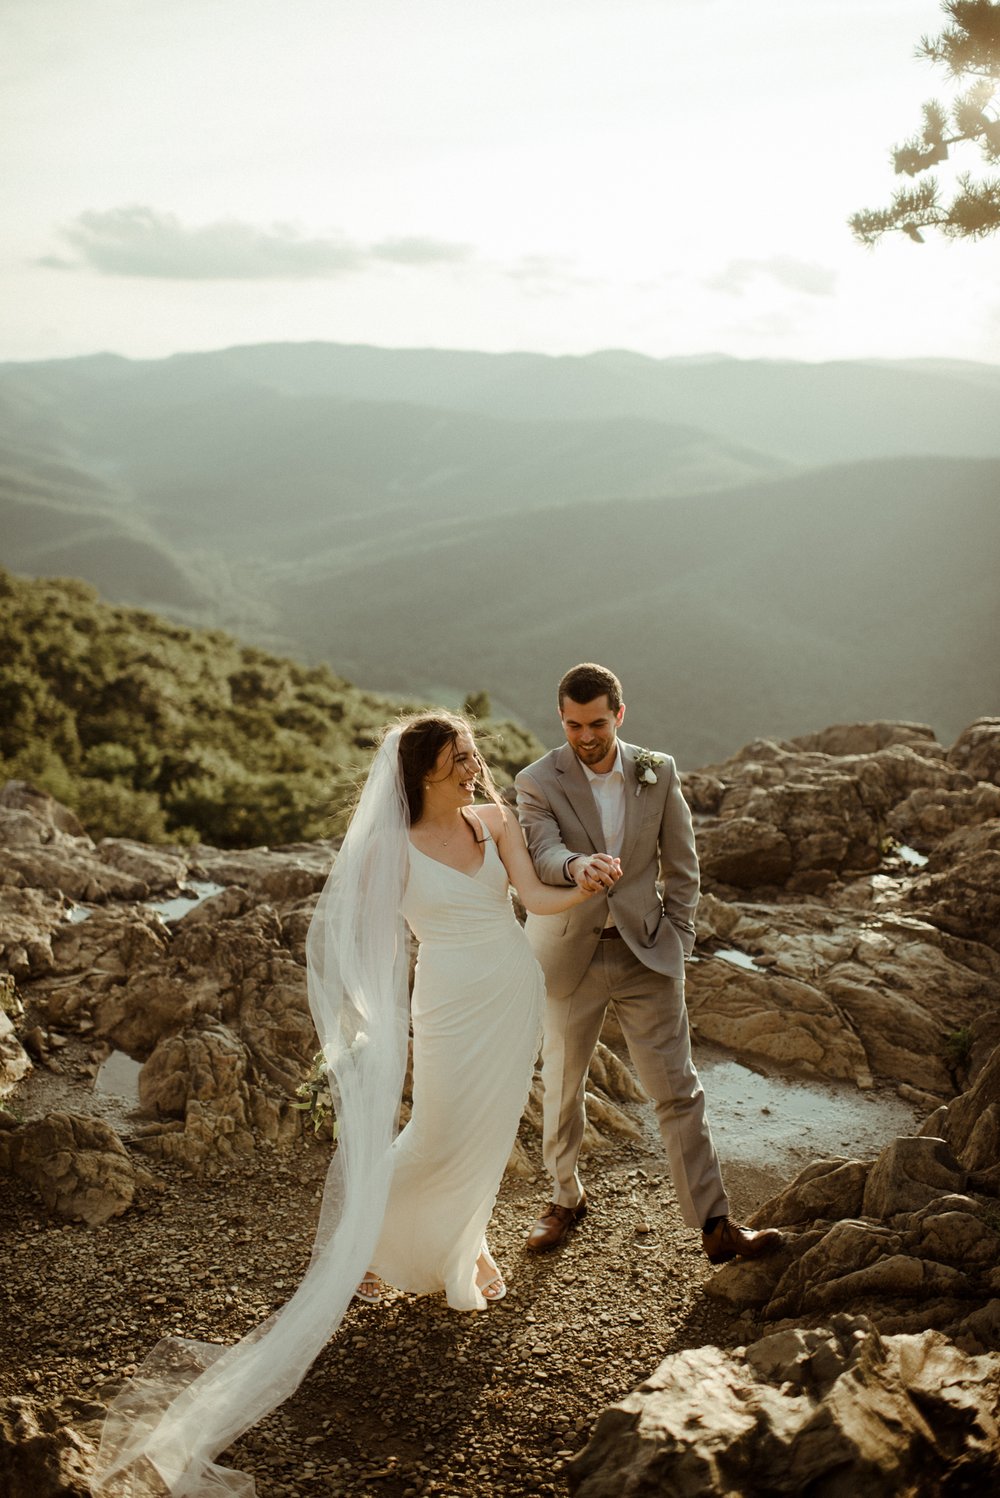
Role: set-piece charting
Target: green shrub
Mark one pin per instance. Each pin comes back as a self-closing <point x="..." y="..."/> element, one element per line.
<point x="163" y="732"/>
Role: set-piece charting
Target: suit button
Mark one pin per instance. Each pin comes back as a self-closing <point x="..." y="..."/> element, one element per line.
<point x="598" y="930"/>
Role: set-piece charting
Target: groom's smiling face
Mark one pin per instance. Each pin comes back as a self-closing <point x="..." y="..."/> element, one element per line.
<point x="591" y="730"/>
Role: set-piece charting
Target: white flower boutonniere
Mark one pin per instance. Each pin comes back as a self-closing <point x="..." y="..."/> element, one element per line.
<point x="646" y="765"/>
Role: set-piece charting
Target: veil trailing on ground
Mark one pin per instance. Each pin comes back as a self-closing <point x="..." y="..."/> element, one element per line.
<point x="190" y="1400"/>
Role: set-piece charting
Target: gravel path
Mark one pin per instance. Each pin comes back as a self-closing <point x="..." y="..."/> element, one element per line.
<point x="410" y="1398"/>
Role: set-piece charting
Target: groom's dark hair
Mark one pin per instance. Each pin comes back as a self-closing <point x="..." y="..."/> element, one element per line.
<point x="588" y="681"/>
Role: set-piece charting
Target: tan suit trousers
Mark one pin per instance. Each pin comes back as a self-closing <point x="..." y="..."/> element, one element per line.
<point x="651" y="1010"/>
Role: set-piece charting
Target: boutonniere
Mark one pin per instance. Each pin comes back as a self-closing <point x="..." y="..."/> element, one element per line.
<point x="646" y="765"/>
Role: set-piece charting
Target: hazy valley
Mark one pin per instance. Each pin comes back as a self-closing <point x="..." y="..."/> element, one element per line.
<point x="759" y="548"/>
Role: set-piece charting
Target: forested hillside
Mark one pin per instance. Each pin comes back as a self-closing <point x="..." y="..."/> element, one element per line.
<point x="160" y="732"/>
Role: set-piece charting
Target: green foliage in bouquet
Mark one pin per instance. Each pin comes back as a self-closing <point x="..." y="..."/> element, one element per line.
<point x="316" y="1099"/>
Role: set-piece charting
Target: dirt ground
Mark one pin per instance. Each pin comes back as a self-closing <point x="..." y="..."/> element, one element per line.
<point x="410" y="1397"/>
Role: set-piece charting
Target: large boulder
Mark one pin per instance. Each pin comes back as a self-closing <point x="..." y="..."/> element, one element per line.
<point x="843" y="739"/>
<point x="929" y="814"/>
<point x="977" y="750"/>
<point x="825" y="1190"/>
<point x="964" y="897"/>
<point x="745" y="853"/>
<point x="43" y="810"/>
<point x="840" y="990"/>
<point x="275" y="876"/>
<point x="159" y="869"/>
<point x="839" y="1410"/>
<point x="28" y="918"/>
<point x="908" y="1174"/>
<point x="768" y="1017"/>
<point x="199" y="1078"/>
<point x="46" y="849"/>
<point x="76" y="1163"/>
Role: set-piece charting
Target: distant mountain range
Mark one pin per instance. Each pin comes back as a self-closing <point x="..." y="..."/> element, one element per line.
<point x="758" y="547"/>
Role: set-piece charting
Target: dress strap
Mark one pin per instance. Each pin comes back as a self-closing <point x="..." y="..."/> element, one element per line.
<point x="487" y="834"/>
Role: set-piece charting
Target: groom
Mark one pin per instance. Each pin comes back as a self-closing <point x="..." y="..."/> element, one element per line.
<point x="610" y="817"/>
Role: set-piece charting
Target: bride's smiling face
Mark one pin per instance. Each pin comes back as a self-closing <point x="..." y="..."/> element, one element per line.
<point x="453" y="780"/>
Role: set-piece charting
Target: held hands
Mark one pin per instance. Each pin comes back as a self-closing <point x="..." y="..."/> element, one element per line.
<point x="599" y="872"/>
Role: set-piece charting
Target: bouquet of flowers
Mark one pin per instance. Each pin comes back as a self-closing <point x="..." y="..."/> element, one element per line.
<point x="316" y="1099"/>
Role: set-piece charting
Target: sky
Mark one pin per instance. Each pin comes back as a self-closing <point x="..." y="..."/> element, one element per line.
<point x="668" y="176"/>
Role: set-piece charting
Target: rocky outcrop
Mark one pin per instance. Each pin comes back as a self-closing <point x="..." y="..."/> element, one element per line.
<point x="45" y="848"/>
<point x="977" y="750"/>
<point x="963" y="898"/>
<point x="803" y="813"/>
<point x="851" y="963"/>
<point x="837" y="1410"/>
<point x="213" y="1002"/>
<point x="910" y="1238"/>
<point x="857" y="989"/>
<point x="824" y="948"/>
<point x="971" y="1125"/>
<point x="44" y="1452"/>
<point x="77" y="1165"/>
<point x="856" y="872"/>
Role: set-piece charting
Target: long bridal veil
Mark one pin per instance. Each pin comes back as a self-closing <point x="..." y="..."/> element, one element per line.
<point x="189" y="1399"/>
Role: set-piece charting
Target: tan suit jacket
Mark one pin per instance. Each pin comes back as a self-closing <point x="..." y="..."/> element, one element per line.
<point x="654" y="902"/>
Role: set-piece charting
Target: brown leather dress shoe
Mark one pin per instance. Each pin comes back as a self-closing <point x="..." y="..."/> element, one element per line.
<point x="728" y="1240"/>
<point x="551" y="1229"/>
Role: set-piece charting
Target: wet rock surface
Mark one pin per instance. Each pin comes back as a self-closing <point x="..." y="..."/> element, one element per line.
<point x="828" y="948"/>
<point x="867" y="955"/>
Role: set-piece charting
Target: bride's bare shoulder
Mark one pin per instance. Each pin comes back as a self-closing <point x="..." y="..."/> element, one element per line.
<point x="501" y="821"/>
<point x="492" y="816"/>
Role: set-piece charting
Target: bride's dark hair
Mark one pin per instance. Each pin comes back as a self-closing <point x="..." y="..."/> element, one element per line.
<point x="423" y="737"/>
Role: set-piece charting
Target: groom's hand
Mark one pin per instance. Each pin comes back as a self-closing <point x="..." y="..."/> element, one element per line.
<point x="599" y="871"/>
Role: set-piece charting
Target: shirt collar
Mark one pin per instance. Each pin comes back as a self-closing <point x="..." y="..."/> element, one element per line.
<point x="616" y="768"/>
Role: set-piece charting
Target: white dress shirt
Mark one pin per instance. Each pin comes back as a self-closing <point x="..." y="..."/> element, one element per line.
<point x="609" y="793"/>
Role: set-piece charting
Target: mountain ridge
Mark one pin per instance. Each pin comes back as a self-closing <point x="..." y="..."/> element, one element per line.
<point x="326" y="501"/>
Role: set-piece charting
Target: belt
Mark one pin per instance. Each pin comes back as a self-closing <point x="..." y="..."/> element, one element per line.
<point x="609" y="933"/>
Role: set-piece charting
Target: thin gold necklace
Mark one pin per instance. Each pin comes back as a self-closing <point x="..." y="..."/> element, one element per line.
<point x="443" y="842"/>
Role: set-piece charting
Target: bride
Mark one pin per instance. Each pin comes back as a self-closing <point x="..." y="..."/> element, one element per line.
<point x="410" y="1210"/>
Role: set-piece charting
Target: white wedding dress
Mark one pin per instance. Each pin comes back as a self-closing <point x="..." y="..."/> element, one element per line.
<point x="477" y="1013"/>
<point x="422" y="1199"/>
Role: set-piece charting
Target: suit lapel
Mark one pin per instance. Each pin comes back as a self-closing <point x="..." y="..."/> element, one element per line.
<point x="633" y="802"/>
<point x="576" y="788"/>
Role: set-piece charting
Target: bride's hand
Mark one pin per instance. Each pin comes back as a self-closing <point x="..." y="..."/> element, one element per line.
<point x="600" y="871"/>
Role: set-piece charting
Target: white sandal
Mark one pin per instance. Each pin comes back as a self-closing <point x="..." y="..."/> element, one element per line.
<point x="494" y="1289"/>
<point x="370" y="1290"/>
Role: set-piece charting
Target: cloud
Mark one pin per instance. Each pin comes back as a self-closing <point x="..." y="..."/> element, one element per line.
<point x="547" y="275"/>
<point x="139" y="241"/>
<point x="794" y="275"/>
<point x="415" y="250"/>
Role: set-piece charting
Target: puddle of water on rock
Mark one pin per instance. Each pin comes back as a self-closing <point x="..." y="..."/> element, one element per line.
<point x="910" y="855"/>
<point x="804" y="1120"/>
<point x="737" y="958"/>
<point x="172" y="910"/>
<point x="118" y="1076"/>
